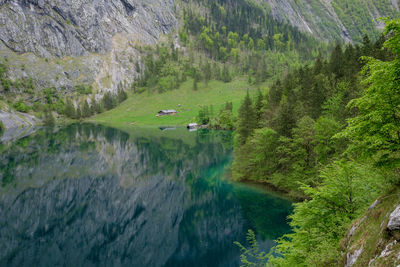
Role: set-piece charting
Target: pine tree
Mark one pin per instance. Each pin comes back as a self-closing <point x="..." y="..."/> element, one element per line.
<point x="336" y="62"/>
<point x="259" y="105"/>
<point x="122" y="95"/>
<point x="86" y="109"/>
<point x="69" y="110"/>
<point x="108" y="100"/>
<point x="78" y="113"/>
<point x="226" y="77"/>
<point x="207" y="72"/>
<point x="48" y="117"/>
<point x="246" y="120"/>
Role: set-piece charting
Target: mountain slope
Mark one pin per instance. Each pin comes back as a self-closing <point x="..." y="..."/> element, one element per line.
<point x="72" y="44"/>
<point x="347" y="20"/>
<point x="82" y="41"/>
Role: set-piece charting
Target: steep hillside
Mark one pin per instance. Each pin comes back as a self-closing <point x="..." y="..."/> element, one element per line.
<point x="373" y="239"/>
<point x="347" y="20"/>
<point x="65" y="43"/>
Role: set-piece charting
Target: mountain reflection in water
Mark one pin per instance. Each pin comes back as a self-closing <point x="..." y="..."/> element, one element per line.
<point x="89" y="195"/>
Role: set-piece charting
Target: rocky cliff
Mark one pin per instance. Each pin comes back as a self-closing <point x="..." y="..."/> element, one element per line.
<point x="334" y="19"/>
<point x="64" y="43"/>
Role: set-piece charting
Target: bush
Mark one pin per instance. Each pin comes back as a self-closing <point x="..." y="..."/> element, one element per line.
<point x="109" y="101"/>
<point x="83" y="89"/>
<point x="21" y="107"/>
<point x="48" y="118"/>
<point x="2" y="128"/>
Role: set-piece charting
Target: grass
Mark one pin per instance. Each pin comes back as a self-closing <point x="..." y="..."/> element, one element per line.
<point x="141" y="109"/>
<point x="371" y="234"/>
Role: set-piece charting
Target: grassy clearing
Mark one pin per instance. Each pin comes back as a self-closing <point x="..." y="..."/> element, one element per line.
<point x="141" y="109"/>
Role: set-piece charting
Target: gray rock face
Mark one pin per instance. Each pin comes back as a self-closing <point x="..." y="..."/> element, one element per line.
<point x="17" y="119"/>
<point x="16" y="125"/>
<point x="394" y="220"/>
<point x="75" y="27"/>
<point x="302" y="16"/>
<point x="63" y="43"/>
<point x="352" y="258"/>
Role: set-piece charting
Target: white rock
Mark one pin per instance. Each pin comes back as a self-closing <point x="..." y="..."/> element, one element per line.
<point x="394" y="220"/>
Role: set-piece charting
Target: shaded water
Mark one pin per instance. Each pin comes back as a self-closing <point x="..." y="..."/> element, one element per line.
<point x="88" y="195"/>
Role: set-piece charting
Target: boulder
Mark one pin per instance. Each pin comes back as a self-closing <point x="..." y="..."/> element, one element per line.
<point x="352" y="258"/>
<point x="394" y="220"/>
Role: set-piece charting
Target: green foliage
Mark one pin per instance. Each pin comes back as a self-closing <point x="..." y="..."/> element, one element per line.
<point x="4" y="80"/>
<point x="122" y="95"/>
<point x="83" y="89"/>
<point x="20" y="106"/>
<point x="225" y="75"/>
<point x="375" y="131"/>
<point x="306" y="110"/>
<point x="252" y="256"/>
<point x="354" y="13"/>
<point x="319" y="223"/>
<point x="109" y="101"/>
<point x="86" y="111"/>
<point x="48" y="118"/>
<point x="246" y="120"/>
<point x="2" y="128"/>
<point x="205" y="114"/>
<point x="69" y="109"/>
<point x="338" y="187"/>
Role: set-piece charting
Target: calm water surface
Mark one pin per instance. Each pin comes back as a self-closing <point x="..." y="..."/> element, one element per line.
<point x="88" y="195"/>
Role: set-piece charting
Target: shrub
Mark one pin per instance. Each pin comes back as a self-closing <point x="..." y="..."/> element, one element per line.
<point x="20" y="106"/>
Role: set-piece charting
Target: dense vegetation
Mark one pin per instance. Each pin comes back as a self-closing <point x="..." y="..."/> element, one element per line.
<point x="354" y="13"/>
<point x="330" y="134"/>
<point x="220" y="40"/>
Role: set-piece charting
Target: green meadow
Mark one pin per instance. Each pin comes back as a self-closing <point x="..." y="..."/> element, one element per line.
<point x="141" y="109"/>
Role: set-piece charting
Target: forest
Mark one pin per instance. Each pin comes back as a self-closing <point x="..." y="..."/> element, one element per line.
<point x="328" y="134"/>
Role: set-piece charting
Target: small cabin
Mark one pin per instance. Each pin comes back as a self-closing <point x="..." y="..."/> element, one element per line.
<point x="166" y="112"/>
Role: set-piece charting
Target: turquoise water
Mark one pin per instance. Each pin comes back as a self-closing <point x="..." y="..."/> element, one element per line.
<point x="89" y="195"/>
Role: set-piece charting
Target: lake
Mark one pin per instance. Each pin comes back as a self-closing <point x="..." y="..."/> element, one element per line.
<point x="90" y="195"/>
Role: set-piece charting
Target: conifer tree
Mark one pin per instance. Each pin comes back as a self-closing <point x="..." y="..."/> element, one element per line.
<point x="86" y="109"/>
<point x="108" y="101"/>
<point x="226" y="77"/>
<point x="259" y="107"/>
<point x="246" y="120"/>
<point x="122" y="95"/>
<point x="48" y="117"/>
<point x="78" y="113"/>
<point x="207" y="72"/>
<point x="69" y="110"/>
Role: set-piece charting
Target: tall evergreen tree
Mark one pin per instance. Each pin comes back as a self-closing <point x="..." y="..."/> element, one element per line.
<point x="258" y="108"/>
<point x="246" y="120"/>
<point x="69" y="109"/>
<point x="86" y="112"/>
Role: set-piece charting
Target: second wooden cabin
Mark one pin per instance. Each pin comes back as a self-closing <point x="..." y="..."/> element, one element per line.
<point x="166" y="112"/>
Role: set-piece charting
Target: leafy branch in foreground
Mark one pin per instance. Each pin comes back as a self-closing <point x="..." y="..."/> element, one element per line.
<point x="252" y="256"/>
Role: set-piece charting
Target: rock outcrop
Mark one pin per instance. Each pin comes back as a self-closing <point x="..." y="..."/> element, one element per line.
<point x="76" y="28"/>
<point x="377" y="229"/>
<point x="16" y="125"/>
<point x="394" y="220"/>
<point x="71" y="42"/>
